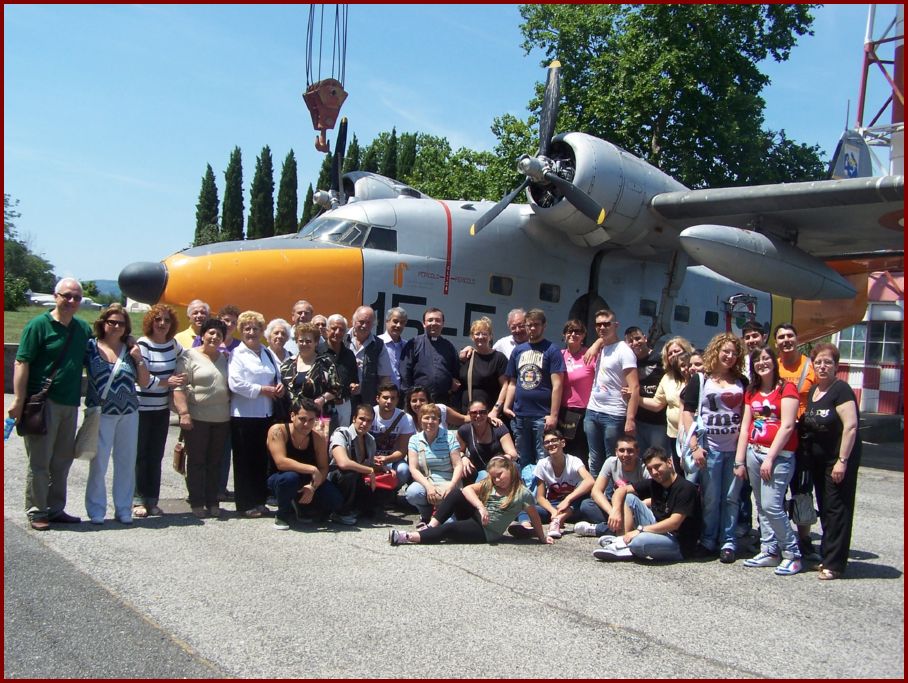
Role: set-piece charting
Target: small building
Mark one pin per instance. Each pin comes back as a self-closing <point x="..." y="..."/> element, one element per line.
<point x="871" y="351"/>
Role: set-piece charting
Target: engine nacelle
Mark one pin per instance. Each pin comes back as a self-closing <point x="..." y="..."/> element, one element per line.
<point x="620" y="182"/>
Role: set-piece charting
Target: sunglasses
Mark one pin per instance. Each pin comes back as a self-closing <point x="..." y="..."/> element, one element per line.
<point x="115" y="323"/>
<point x="71" y="297"/>
<point x="477" y="413"/>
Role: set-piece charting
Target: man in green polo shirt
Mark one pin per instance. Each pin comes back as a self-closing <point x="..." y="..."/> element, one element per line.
<point x="51" y="455"/>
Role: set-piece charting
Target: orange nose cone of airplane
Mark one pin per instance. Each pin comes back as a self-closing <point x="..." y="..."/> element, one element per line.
<point x="265" y="280"/>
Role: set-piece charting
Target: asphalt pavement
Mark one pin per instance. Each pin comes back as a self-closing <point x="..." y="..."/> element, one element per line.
<point x="175" y="597"/>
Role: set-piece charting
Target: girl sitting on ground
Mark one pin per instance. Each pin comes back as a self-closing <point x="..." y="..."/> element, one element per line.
<point x="482" y="510"/>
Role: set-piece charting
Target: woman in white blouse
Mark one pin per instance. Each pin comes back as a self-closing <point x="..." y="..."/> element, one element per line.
<point x="255" y="383"/>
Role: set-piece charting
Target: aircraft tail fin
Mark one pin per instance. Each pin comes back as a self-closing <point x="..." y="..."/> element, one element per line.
<point x="852" y="158"/>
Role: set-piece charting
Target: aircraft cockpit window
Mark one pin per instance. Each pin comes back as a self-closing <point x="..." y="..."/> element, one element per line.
<point x="500" y="284"/>
<point x="682" y="314"/>
<point x="711" y="319"/>
<point x="647" y="308"/>
<point x="549" y="292"/>
<point x="382" y="238"/>
<point x="336" y="231"/>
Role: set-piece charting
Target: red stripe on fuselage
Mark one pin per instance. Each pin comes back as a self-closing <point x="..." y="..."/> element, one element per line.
<point x="448" y="252"/>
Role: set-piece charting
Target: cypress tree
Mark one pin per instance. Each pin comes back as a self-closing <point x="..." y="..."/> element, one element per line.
<point x="406" y="156"/>
<point x="206" y="211"/>
<point x="285" y="218"/>
<point x="370" y="159"/>
<point x="232" y="218"/>
<point x="261" y="210"/>
<point x="308" y="207"/>
<point x="324" y="175"/>
<point x="388" y="166"/>
<point x="351" y="160"/>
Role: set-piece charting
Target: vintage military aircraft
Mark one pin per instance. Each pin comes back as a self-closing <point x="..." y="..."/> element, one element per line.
<point x="602" y="227"/>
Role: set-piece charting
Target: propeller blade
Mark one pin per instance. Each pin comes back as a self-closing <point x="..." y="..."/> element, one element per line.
<point x="549" y="114"/>
<point x="337" y="161"/>
<point x="580" y="199"/>
<point x="492" y="213"/>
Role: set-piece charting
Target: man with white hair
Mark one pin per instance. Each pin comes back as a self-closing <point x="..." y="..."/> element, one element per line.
<point x="373" y="366"/>
<point x="517" y="324"/>
<point x="347" y="372"/>
<point x="301" y="312"/>
<point x="198" y="312"/>
<point x="50" y="356"/>
<point x="395" y="322"/>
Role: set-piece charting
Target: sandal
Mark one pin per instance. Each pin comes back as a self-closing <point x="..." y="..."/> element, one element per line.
<point x="828" y="575"/>
<point x="40" y="524"/>
<point x="253" y="513"/>
<point x="139" y="511"/>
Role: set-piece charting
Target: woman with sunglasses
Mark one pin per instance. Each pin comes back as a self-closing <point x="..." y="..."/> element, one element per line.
<point x="160" y="351"/>
<point x="114" y="366"/>
<point x="578" y="385"/>
<point x="480" y="441"/>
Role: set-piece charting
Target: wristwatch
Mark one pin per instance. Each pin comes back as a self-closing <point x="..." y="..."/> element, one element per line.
<point x="639" y="527"/>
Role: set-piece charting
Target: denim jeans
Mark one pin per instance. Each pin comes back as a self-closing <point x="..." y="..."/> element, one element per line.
<point x="403" y="472"/>
<point x="602" y="432"/>
<point x="651" y="435"/>
<point x="118" y="434"/>
<point x="528" y="439"/>
<point x="590" y="512"/>
<point x="286" y="485"/>
<point x="546" y="516"/>
<point x="776" y="532"/>
<point x="647" y="545"/>
<point x="720" y="490"/>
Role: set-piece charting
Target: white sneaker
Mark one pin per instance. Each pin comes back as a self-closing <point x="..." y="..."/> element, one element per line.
<point x="763" y="560"/>
<point x="585" y="529"/>
<point x="788" y="567"/>
<point x="555" y="529"/>
<point x="612" y="553"/>
<point x="280" y="524"/>
<point x="348" y="519"/>
<point x="607" y="540"/>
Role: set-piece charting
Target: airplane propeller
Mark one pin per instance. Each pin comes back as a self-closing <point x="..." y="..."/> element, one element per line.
<point x="334" y="197"/>
<point x="540" y="169"/>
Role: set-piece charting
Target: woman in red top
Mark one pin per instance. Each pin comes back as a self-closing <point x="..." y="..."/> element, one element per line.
<point x="766" y="446"/>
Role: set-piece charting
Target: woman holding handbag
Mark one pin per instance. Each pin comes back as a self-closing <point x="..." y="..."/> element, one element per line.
<point x="114" y="365"/>
<point x="203" y="403"/>
<point x="829" y="430"/>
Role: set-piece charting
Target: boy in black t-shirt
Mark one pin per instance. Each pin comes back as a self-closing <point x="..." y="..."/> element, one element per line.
<point x="668" y="530"/>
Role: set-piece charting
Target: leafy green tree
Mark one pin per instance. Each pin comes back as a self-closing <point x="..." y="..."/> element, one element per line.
<point x="406" y="154"/>
<point x="14" y="289"/>
<point x="232" y="218"/>
<point x="430" y="169"/>
<point x="351" y="158"/>
<point x="22" y="268"/>
<point x="677" y="85"/>
<point x="388" y="167"/>
<point x="308" y="207"/>
<point x="90" y="288"/>
<point x="261" y="211"/>
<point x="206" y="211"/>
<point x="285" y="218"/>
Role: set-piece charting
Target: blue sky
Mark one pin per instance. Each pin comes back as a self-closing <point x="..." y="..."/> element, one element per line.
<point x="111" y="112"/>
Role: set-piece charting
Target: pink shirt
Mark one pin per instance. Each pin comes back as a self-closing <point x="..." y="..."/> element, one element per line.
<point x="578" y="380"/>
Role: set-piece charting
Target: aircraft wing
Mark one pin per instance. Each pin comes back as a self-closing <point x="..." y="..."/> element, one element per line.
<point x="829" y="218"/>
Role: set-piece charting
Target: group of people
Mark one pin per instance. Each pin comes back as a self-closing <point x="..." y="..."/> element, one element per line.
<point x="656" y="452"/>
